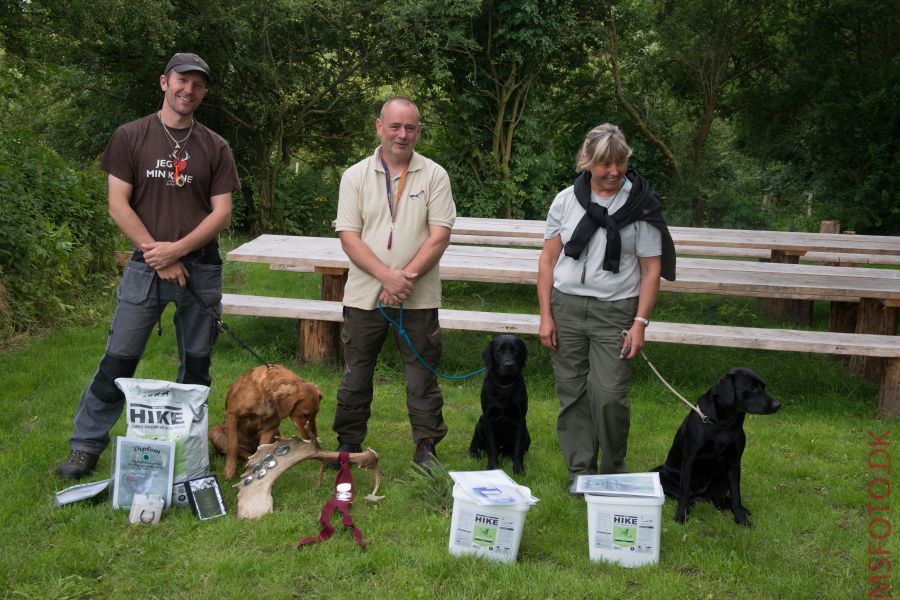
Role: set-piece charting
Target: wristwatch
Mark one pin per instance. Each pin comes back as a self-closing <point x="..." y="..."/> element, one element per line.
<point x="643" y="320"/>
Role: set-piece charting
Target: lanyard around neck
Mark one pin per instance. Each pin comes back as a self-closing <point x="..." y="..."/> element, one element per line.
<point x="390" y="197"/>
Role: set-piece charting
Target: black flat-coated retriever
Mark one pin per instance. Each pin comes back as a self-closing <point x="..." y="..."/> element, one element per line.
<point x="501" y="429"/>
<point x="704" y="462"/>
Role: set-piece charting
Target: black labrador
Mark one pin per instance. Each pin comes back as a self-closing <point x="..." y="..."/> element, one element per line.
<point x="501" y="429"/>
<point x="704" y="462"/>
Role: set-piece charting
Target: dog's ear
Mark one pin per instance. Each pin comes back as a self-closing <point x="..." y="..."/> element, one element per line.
<point x="309" y="398"/>
<point x="723" y="390"/>
<point x="488" y="356"/>
<point x="282" y="387"/>
<point x="285" y="397"/>
<point x="521" y="352"/>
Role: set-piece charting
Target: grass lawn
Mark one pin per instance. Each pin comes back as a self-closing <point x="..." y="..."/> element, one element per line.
<point x="805" y="478"/>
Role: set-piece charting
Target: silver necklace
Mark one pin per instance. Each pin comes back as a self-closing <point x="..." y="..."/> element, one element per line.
<point x="178" y="178"/>
<point x="183" y="140"/>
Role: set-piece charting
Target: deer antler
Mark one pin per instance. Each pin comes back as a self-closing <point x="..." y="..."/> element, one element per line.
<point x="270" y="461"/>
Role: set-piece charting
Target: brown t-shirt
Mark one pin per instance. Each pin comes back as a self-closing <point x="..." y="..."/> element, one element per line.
<point x="140" y="152"/>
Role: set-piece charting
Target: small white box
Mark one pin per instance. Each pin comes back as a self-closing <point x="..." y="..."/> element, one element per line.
<point x="625" y="529"/>
<point x="146" y="509"/>
<point x="492" y="531"/>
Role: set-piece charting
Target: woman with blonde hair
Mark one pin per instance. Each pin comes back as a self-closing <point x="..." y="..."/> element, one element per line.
<point x="605" y="247"/>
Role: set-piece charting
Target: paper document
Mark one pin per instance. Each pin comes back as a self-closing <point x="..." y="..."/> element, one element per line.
<point x="492" y="488"/>
<point x="82" y="491"/>
<point x="620" y="484"/>
<point x="142" y="467"/>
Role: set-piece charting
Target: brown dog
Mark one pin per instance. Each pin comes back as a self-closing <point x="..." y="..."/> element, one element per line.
<point x="256" y="404"/>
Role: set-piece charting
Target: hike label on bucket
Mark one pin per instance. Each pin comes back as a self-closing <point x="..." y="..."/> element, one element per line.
<point x="630" y="533"/>
<point x="489" y="532"/>
<point x="485" y="531"/>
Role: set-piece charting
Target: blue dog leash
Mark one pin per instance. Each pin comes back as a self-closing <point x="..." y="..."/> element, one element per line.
<point x="405" y="336"/>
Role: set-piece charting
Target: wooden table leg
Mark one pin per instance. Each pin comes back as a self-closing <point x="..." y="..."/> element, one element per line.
<point x="874" y="317"/>
<point x="889" y="397"/>
<point x="320" y="341"/>
<point x="843" y="317"/>
<point x="799" y="311"/>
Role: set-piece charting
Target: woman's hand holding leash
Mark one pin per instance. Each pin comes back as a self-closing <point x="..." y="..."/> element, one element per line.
<point x="632" y="340"/>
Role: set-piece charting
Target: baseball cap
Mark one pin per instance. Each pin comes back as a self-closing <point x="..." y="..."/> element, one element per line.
<point x="181" y="62"/>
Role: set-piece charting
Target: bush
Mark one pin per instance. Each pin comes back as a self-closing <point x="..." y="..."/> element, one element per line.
<point x="56" y="239"/>
<point x="306" y="200"/>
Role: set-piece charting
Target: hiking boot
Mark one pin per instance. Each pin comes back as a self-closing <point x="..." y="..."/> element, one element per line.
<point x="336" y="464"/>
<point x="425" y="455"/>
<point x="79" y="464"/>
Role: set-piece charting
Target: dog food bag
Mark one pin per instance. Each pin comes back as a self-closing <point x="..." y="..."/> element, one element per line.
<point x="162" y="410"/>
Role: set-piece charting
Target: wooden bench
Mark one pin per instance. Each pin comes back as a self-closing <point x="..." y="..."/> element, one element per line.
<point x="864" y="301"/>
<point x="885" y="347"/>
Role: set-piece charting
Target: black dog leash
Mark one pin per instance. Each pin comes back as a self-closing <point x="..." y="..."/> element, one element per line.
<point x="222" y="326"/>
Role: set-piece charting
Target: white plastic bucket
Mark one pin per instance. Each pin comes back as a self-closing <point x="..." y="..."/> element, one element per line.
<point x="624" y="529"/>
<point x="492" y="531"/>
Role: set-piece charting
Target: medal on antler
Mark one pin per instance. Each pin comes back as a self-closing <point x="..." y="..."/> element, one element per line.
<point x="270" y="461"/>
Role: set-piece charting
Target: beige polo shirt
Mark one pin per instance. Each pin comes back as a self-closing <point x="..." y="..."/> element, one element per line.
<point x="363" y="207"/>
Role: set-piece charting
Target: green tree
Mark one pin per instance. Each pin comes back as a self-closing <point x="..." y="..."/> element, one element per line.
<point x="696" y="52"/>
<point x="95" y="63"/>
<point x="302" y="80"/>
<point x="291" y="77"/>
<point x="56" y="240"/>
<point x="493" y="132"/>
<point x="829" y="109"/>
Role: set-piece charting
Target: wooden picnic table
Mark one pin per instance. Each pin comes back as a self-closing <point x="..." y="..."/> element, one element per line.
<point x="520" y="265"/>
<point x="832" y="249"/>
<point x="873" y="294"/>
<point x="852" y="259"/>
<point x="790" y="242"/>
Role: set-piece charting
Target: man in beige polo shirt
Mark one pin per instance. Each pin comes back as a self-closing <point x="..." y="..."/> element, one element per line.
<point x="395" y="212"/>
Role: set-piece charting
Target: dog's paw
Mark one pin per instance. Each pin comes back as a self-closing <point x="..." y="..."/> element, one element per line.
<point x="741" y="519"/>
<point x="475" y="452"/>
<point x="681" y="516"/>
<point x="518" y="467"/>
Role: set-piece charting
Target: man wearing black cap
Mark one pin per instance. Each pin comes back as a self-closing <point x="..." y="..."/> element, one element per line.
<point x="170" y="183"/>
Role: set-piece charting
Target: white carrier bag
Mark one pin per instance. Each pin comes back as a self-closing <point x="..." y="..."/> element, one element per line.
<point x="162" y="410"/>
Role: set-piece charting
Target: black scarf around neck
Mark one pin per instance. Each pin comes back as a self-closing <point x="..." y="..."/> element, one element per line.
<point x="642" y="204"/>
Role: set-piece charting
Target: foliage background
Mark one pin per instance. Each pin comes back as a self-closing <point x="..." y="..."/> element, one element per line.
<point x="767" y="114"/>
